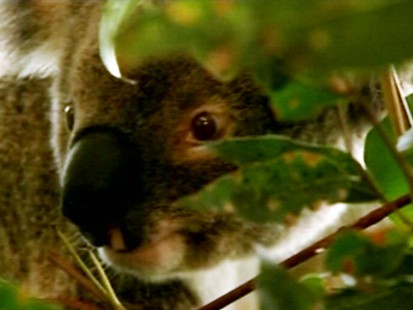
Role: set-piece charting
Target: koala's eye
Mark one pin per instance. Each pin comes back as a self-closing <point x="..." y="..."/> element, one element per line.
<point x="204" y="127"/>
<point x="70" y="117"/>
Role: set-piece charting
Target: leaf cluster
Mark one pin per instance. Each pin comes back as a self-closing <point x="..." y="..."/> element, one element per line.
<point x="295" y="49"/>
<point x="12" y="298"/>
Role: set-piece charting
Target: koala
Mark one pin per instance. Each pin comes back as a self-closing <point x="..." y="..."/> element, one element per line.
<point x="125" y="153"/>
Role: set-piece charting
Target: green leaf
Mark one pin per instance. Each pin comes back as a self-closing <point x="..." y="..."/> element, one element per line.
<point x="8" y="296"/>
<point x="398" y="297"/>
<point x="381" y="162"/>
<point x="298" y="176"/>
<point x="386" y="171"/>
<point x="405" y="268"/>
<point x="298" y="101"/>
<point x="355" y="253"/>
<point x="315" y="282"/>
<point x="244" y="151"/>
<point x="181" y="26"/>
<point x="409" y="100"/>
<point x="248" y="150"/>
<point x="347" y="41"/>
<point x="278" y="290"/>
<point x="257" y="34"/>
<point x="384" y="273"/>
<point x="323" y="37"/>
<point x="12" y="299"/>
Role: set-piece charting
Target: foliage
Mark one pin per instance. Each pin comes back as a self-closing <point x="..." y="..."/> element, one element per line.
<point x="381" y="273"/>
<point x="294" y="48"/>
<point x="13" y="299"/>
<point x="274" y="169"/>
<point x="279" y="290"/>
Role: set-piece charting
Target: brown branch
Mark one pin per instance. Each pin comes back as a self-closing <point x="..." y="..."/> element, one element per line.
<point x="366" y="221"/>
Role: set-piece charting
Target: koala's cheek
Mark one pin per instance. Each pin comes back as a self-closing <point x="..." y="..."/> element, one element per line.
<point x="156" y="259"/>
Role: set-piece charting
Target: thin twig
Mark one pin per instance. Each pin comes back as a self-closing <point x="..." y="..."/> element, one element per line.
<point x="348" y="143"/>
<point x="82" y="265"/>
<point x="400" y="118"/>
<point x="366" y="221"/>
<point x="76" y="274"/>
<point x="106" y="283"/>
<point x="396" y="104"/>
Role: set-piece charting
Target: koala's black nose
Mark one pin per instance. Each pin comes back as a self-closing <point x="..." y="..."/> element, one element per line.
<point x="100" y="181"/>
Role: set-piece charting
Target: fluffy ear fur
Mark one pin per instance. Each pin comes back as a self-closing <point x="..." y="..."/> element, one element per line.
<point x="127" y="151"/>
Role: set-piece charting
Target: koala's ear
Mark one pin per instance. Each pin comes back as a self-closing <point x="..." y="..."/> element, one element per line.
<point x="255" y="98"/>
<point x="245" y="83"/>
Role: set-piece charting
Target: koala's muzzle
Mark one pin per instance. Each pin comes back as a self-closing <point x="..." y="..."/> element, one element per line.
<point x="100" y="182"/>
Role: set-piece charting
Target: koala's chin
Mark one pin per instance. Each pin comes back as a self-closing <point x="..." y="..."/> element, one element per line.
<point x="158" y="260"/>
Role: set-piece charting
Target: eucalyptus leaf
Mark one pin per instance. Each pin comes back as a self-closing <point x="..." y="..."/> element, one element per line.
<point x="8" y="296"/>
<point x="355" y="253"/>
<point x="409" y="100"/>
<point x="273" y="189"/>
<point x="323" y="37"/>
<point x="13" y="299"/>
<point x="398" y="297"/>
<point x="381" y="162"/>
<point x="180" y="27"/>
<point x="258" y="34"/>
<point x="348" y="41"/>
<point x="297" y="101"/>
<point x="245" y="151"/>
<point x="278" y="290"/>
<point x="405" y="268"/>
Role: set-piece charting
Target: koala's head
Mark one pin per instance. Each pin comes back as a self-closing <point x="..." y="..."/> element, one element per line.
<point x="128" y="151"/>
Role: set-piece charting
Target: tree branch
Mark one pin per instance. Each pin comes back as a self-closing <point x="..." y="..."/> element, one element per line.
<point x="366" y="221"/>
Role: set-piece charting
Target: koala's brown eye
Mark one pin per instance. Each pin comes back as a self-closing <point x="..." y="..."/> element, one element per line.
<point x="70" y="117"/>
<point x="204" y="127"/>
